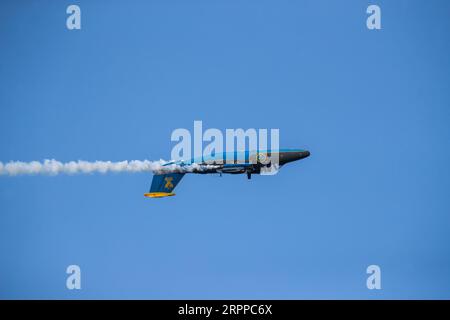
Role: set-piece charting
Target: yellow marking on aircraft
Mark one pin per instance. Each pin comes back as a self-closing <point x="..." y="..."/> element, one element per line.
<point x="168" y="184"/>
<point x="158" y="194"/>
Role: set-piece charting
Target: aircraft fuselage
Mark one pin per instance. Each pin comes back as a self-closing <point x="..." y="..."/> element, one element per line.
<point x="242" y="162"/>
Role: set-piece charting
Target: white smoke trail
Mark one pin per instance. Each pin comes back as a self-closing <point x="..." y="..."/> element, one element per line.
<point x="54" y="167"/>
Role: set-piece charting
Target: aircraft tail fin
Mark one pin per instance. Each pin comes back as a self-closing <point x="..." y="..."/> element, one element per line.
<point x="163" y="185"/>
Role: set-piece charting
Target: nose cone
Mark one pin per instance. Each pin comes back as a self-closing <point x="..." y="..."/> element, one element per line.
<point x="290" y="156"/>
<point x="304" y="154"/>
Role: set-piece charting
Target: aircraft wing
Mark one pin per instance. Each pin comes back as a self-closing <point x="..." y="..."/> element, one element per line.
<point x="163" y="185"/>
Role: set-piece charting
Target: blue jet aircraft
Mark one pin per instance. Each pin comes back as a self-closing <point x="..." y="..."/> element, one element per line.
<point x="164" y="182"/>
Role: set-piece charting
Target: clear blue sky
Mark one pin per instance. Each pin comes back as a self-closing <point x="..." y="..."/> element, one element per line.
<point x="371" y="106"/>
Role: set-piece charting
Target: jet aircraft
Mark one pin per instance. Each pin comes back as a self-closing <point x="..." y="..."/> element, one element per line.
<point x="245" y="162"/>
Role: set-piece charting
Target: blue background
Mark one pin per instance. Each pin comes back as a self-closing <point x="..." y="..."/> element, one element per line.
<point x="371" y="106"/>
